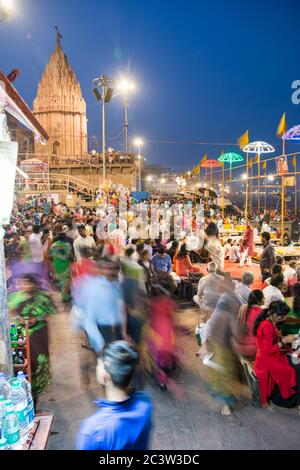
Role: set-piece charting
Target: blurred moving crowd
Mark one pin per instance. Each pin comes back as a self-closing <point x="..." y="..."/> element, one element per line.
<point x="124" y="293"/>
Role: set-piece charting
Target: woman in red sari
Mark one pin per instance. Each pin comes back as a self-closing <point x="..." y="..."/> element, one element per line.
<point x="277" y="377"/>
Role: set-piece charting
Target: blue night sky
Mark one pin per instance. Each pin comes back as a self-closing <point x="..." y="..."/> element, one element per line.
<point x="205" y="70"/>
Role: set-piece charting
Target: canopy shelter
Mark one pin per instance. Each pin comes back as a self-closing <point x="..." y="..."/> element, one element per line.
<point x="292" y="134"/>
<point x="259" y="147"/>
<point x="12" y="103"/>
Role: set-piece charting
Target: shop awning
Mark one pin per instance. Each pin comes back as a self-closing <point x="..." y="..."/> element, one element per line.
<point x="13" y="103"/>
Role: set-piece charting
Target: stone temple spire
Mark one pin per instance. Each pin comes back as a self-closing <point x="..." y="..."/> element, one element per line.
<point x="61" y="108"/>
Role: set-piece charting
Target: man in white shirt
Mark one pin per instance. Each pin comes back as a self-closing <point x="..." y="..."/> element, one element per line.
<point x="36" y="246"/>
<point x="82" y="241"/>
<point x="273" y="291"/>
<point x="209" y="291"/>
<point x="243" y="290"/>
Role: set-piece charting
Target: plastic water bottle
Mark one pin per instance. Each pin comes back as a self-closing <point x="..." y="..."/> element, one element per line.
<point x="30" y="405"/>
<point x="2" y="413"/>
<point x="11" y="429"/>
<point x="18" y="398"/>
<point x="4" y="386"/>
<point x="3" y="444"/>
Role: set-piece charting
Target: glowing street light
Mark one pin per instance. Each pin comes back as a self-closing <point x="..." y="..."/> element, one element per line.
<point x="244" y="176"/>
<point x="125" y="87"/>
<point x="6" y="9"/>
<point x="270" y="177"/>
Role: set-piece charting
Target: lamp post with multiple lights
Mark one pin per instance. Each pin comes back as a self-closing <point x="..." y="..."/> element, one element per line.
<point x="105" y="83"/>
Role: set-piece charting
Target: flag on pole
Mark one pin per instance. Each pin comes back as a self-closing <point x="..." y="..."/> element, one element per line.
<point x="250" y="163"/>
<point x="294" y="162"/>
<point x="256" y="159"/>
<point x="197" y="170"/>
<point x="204" y="158"/>
<point x="264" y="164"/>
<point x="282" y="126"/>
<point x="243" y="140"/>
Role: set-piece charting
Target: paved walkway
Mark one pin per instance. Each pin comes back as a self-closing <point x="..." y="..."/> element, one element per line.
<point x="190" y="423"/>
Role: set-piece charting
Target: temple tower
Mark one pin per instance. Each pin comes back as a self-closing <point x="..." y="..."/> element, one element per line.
<point x="61" y="109"/>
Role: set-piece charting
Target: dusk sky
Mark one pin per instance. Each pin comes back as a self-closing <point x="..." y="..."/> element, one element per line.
<point x="205" y="71"/>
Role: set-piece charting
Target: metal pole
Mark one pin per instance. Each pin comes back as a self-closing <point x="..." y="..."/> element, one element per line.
<point x="282" y="197"/>
<point x="223" y="189"/>
<point x="265" y="185"/>
<point x="140" y="170"/>
<point x="126" y="126"/>
<point x="247" y="182"/>
<point x="296" y="196"/>
<point x="104" y="88"/>
<point x="258" y="182"/>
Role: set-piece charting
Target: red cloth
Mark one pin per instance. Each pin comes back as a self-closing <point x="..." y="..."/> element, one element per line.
<point x="246" y="343"/>
<point x="85" y="266"/>
<point x="248" y="241"/>
<point x="271" y="366"/>
<point x="183" y="266"/>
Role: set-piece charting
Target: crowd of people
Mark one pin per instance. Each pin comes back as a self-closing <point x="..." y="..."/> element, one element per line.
<point x="123" y="291"/>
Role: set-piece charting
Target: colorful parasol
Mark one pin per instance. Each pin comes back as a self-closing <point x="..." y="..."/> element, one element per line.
<point x="259" y="147"/>
<point x="211" y="164"/>
<point x="230" y="157"/>
<point x="292" y="134"/>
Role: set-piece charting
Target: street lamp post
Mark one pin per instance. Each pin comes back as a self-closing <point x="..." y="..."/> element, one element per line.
<point x="106" y="84"/>
<point x="125" y="87"/>
<point x="139" y="143"/>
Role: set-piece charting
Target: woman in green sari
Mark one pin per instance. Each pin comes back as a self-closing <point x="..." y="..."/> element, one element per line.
<point x="32" y="306"/>
<point x="61" y="254"/>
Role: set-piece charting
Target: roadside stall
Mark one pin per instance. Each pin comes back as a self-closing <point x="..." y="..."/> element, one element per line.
<point x="33" y="429"/>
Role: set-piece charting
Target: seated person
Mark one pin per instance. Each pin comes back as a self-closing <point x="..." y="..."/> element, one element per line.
<point x="145" y="263"/>
<point x="227" y="247"/>
<point x="276" y="269"/>
<point x="276" y="374"/>
<point x="243" y="288"/>
<point x="273" y="291"/>
<point x="123" y="421"/>
<point x="209" y="290"/>
<point x="172" y="251"/>
<point x="296" y="278"/>
<point x="290" y="271"/>
<point x="183" y="265"/>
<point x="234" y="252"/>
<point x="243" y="341"/>
<point x="162" y="266"/>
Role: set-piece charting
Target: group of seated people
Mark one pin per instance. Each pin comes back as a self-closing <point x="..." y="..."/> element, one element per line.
<point x="260" y="325"/>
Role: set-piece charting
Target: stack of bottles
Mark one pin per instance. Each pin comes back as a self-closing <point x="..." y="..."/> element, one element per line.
<point x="17" y="336"/>
<point x="16" y="411"/>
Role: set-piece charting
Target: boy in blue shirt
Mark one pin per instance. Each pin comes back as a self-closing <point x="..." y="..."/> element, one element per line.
<point x="123" y="421"/>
